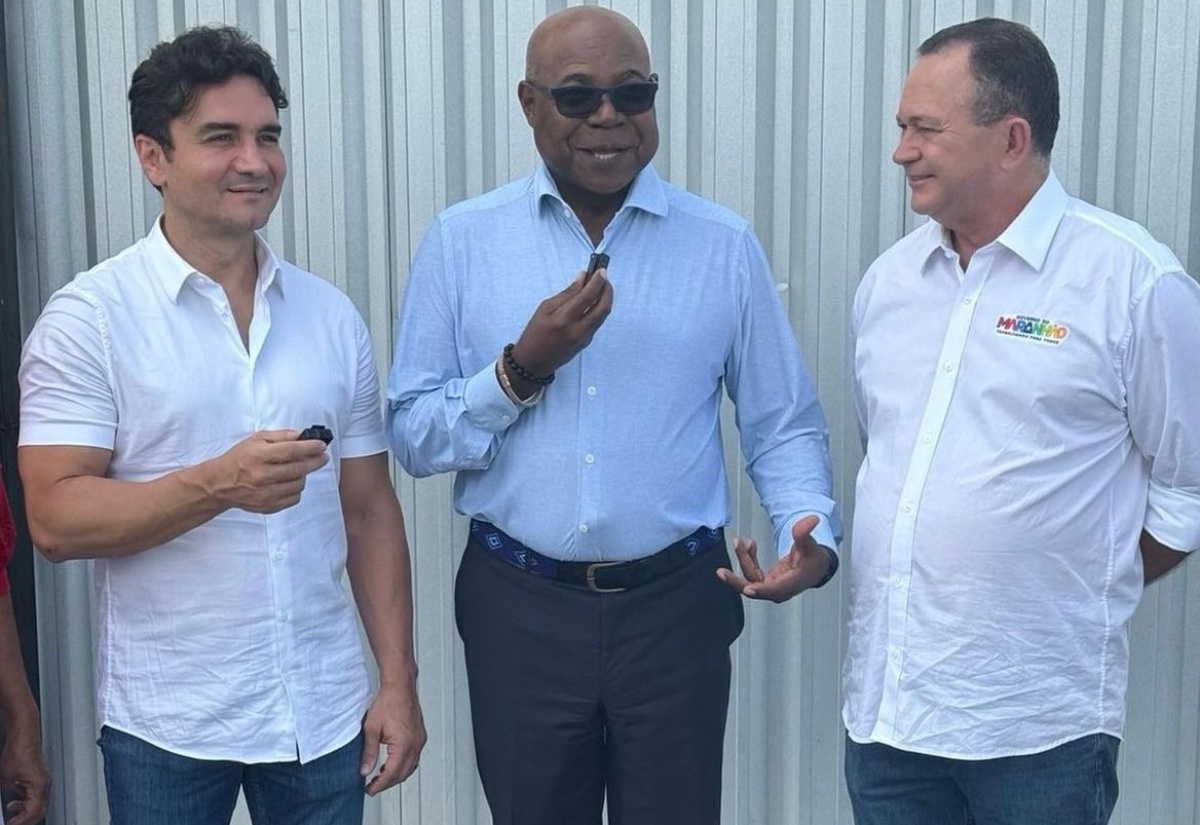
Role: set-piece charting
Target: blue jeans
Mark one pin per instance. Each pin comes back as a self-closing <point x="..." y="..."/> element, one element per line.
<point x="1073" y="784"/>
<point x="150" y="786"/>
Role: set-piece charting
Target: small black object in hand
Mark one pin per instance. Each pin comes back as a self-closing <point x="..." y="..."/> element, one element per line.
<point x="316" y="432"/>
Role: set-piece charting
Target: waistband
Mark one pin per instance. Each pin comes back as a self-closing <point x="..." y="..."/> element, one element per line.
<point x="597" y="576"/>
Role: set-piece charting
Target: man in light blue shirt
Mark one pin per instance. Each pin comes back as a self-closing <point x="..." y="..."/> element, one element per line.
<point x="584" y="431"/>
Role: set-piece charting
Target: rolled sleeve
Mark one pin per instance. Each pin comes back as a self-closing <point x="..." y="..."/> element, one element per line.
<point x="1173" y="517"/>
<point x="1163" y="404"/>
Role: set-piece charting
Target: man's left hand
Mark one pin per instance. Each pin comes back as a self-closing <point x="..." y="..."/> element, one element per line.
<point x="23" y="774"/>
<point x="393" y="720"/>
<point x="803" y="566"/>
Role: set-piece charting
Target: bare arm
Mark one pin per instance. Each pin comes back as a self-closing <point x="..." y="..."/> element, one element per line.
<point x="381" y="578"/>
<point x="76" y="512"/>
<point x="22" y="767"/>
<point x="1157" y="558"/>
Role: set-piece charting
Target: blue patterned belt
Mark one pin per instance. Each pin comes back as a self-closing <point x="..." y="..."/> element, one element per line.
<point x="597" y="576"/>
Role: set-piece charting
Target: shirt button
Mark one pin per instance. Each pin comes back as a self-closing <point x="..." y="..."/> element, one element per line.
<point x="970" y="299"/>
<point x="589" y="458"/>
<point x="927" y="438"/>
<point x="907" y="507"/>
<point x="897" y="582"/>
<point x="277" y="555"/>
<point x="894" y="653"/>
<point x="583" y="528"/>
<point x="566" y="212"/>
<point x="507" y="419"/>
<point x="591" y="391"/>
<point x="283" y="617"/>
<point x="948" y="367"/>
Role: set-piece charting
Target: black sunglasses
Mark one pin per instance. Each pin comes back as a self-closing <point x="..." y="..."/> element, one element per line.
<point x="578" y="100"/>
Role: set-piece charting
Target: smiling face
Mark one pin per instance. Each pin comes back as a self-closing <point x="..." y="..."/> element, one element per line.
<point x="222" y="175"/>
<point x="592" y="159"/>
<point x="952" y="164"/>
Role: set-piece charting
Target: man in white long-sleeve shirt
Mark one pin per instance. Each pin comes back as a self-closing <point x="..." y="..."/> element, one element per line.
<point x="1025" y="367"/>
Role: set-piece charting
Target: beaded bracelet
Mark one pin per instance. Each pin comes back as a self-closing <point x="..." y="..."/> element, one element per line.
<point x="512" y="364"/>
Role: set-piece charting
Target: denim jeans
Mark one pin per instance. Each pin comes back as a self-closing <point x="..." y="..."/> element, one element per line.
<point x="1073" y="784"/>
<point x="150" y="786"/>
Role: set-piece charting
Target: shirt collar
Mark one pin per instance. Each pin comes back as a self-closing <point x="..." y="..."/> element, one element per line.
<point x="648" y="192"/>
<point x="174" y="271"/>
<point x="1030" y="233"/>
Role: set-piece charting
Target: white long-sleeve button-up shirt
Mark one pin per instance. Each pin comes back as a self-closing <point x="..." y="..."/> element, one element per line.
<point x="1024" y="420"/>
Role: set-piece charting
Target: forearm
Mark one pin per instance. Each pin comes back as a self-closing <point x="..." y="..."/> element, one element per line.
<point x="17" y="707"/>
<point x="90" y="516"/>
<point x="1157" y="558"/>
<point x="459" y="426"/>
<point x="377" y="562"/>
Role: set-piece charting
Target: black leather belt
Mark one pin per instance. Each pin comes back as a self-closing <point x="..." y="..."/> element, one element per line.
<point x="597" y="576"/>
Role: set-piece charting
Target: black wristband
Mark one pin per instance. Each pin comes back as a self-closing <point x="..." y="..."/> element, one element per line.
<point x="511" y="363"/>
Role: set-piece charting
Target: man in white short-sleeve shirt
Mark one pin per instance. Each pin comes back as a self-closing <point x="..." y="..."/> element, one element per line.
<point x="168" y="402"/>
<point x="1026" y="376"/>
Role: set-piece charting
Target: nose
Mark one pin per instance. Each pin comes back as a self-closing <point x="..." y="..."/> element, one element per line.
<point x="905" y="151"/>
<point x="251" y="158"/>
<point x="605" y="112"/>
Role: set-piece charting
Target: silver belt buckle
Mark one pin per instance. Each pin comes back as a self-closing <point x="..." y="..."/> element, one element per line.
<point x="591" y="578"/>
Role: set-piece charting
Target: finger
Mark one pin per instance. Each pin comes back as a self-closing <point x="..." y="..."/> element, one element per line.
<point x="803" y="528"/>
<point x="389" y="773"/>
<point x="733" y="580"/>
<point x="25" y="812"/>
<point x="370" y="751"/>
<point x="275" y="436"/>
<point x="780" y="584"/>
<point x="746" y="551"/>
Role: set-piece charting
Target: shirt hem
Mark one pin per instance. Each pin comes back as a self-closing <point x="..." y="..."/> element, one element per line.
<point x="258" y="758"/>
<point x="978" y="757"/>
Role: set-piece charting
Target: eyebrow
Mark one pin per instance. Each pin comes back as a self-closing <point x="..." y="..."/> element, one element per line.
<point x="218" y="126"/>
<point x="579" y="77"/>
<point x="918" y="120"/>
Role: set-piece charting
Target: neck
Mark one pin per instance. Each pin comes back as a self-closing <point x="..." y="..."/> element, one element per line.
<point x="1002" y="209"/>
<point x="230" y="261"/>
<point x="594" y="210"/>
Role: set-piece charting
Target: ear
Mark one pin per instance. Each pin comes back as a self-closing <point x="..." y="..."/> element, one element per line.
<point x="527" y="95"/>
<point x="1018" y="138"/>
<point x="153" y="157"/>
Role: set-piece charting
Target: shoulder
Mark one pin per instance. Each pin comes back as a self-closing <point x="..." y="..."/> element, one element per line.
<point x="512" y="195"/>
<point x="307" y="291"/>
<point x="1108" y="233"/>
<point x="908" y="254"/>
<point x="124" y="280"/>
<point x="706" y="214"/>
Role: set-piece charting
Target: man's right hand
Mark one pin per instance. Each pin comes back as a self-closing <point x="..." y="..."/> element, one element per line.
<point x="564" y="324"/>
<point x="265" y="472"/>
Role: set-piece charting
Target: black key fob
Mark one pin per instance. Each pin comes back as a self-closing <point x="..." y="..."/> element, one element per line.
<point x="317" y="432"/>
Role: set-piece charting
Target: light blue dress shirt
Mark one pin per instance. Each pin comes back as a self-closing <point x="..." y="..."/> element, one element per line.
<point x="623" y="455"/>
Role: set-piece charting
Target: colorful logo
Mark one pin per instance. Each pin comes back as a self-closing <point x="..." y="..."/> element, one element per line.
<point x="1032" y="328"/>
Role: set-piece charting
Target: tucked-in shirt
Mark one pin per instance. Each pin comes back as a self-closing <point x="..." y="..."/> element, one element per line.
<point x="1024" y="419"/>
<point x="236" y="640"/>
<point x="623" y="455"/>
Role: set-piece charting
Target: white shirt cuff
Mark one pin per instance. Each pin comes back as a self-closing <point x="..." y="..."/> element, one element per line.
<point x="1173" y="517"/>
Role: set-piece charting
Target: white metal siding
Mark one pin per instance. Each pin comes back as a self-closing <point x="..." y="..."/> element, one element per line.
<point x="783" y="111"/>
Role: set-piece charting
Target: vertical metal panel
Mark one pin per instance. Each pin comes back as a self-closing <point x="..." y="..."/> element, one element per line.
<point x="782" y="110"/>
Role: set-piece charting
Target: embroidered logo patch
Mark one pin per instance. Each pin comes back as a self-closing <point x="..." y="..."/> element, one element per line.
<point x="1033" y="328"/>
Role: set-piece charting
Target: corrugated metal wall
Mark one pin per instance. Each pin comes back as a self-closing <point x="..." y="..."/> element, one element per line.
<point x="781" y="110"/>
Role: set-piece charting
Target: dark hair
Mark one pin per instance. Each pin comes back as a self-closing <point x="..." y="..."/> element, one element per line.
<point x="1013" y="74"/>
<point x="167" y="82"/>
